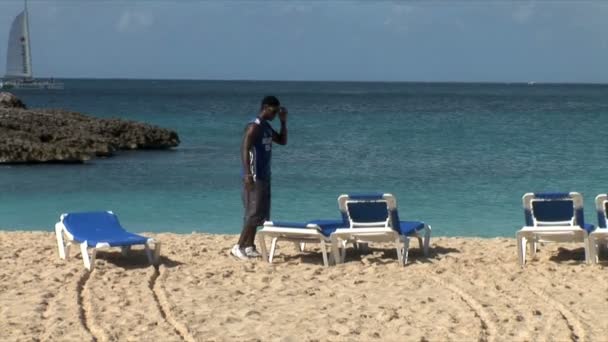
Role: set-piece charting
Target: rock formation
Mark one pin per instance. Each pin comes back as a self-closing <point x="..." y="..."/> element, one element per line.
<point x="50" y="135"/>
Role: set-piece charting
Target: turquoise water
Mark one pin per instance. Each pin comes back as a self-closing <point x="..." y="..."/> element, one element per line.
<point x="458" y="156"/>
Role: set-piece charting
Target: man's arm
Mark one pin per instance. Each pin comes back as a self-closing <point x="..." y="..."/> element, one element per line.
<point x="281" y="137"/>
<point x="251" y="133"/>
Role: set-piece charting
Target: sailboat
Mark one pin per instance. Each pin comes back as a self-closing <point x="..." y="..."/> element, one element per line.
<point x="19" y="58"/>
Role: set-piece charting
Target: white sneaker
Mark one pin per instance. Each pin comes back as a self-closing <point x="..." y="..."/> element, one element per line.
<point x="252" y="252"/>
<point x="238" y="253"/>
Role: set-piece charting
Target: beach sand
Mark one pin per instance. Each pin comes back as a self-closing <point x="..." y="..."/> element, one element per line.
<point x="469" y="289"/>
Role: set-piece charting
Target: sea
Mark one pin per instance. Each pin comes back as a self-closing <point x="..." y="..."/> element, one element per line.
<point x="458" y="156"/>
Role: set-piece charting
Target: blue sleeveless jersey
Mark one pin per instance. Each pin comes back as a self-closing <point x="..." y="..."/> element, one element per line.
<point x="260" y="153"/>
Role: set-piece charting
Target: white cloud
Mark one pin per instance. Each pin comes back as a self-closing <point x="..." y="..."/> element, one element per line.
<point x="297" y="8"/>
<point x="402" y="9"/>
<point x="131" y="20"/>
<point x="399" y="17"/>
<point x="523" y="13"/>
<point x="52" y="11"/>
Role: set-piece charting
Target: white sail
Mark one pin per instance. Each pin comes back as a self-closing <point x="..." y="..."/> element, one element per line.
<point x="18" y="57"/>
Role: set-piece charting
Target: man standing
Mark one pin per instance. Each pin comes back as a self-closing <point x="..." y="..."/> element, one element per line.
<point x="256" y="153"/>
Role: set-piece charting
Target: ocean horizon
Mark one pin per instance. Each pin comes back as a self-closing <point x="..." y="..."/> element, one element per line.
<point x="245" y="80"/>
<point x="458" y="156"/>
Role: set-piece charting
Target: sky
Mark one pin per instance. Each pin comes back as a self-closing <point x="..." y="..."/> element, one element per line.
<point x="373" y="40"/>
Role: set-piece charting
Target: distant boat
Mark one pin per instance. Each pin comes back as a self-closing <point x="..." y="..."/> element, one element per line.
<point x="531" y="83"/>
<point x="19" y="58"/>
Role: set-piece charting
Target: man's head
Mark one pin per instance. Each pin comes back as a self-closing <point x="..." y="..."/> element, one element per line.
<point x="270" y="107"/>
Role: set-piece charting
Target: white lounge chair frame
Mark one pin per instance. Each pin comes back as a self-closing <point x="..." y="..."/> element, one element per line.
<point x="599" y="237"/>
<point x="65" y="240"/>
<point x="381" y="231"/>
<point x="299" y="236"/>
<point x="541" y="232"/>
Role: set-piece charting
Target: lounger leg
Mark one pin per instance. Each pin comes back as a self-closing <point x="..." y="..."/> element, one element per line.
<point x="124" y="250"/>
<point x="587" y="254"/>
<point x="149" y="253"/>
<point x="68" y="246"/>
<point x="521" y="249"/>
<point x="324" y="251"/>
<point x="273" y="247"/>
<point x="533" y="248"/>
<point x="262" y="242"/>
<point x="85" y="255"/>
<point x="406" y="250"/>
<point x="60" y="244"/>
<point x="335" y="250"/>
<point x="398" y="246"/>
<point x="427" y="240"/>
<point x="298" y="246"/>
<point x="593" y="249"/>
<point x="302" y="246"/>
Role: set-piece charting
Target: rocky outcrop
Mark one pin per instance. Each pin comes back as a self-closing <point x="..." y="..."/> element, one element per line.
<point x="8" y="100"/>
<point x="43" y="135"/>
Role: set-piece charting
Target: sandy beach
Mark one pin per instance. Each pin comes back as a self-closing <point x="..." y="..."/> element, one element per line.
<point x="469" y="289"/>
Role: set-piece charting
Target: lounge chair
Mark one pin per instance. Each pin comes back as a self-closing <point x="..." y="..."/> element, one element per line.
<point x="552" y="217"/>
<point x="97" y="230"/>
<point x="375" y="218"/>
<point x="317" y="231"/>
<point x="600" y="235"/>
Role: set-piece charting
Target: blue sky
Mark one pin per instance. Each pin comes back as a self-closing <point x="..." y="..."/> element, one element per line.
<point x="507" y="41"/>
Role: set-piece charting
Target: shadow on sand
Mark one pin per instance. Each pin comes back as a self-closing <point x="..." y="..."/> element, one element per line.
<point x="565" y="255"/>
<point x="374" y="255"/>
<point x="135" y="259"/>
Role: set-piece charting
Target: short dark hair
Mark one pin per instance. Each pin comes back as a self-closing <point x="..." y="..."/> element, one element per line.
<point x="270" y="101"/>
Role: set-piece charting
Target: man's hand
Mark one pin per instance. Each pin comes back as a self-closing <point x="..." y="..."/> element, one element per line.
<point x="283" y="114"/>
<point x="248" y="181"/>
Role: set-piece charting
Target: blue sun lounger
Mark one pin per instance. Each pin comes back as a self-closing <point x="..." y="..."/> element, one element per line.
<point x="97" y="230"/>
<point x="552" y="217"/>
<point x="317" y="231"/>
<point x="375" y="218"/>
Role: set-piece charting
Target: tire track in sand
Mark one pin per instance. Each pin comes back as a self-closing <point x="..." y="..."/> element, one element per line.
<point x="160" y="297"/>
<point x="488" y="329"/>
<point x="85" y="308"/>
<point x="576" y="326"/>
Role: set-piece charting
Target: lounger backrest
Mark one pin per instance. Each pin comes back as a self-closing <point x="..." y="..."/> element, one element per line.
<point x="601" y="206"/>
<point x="367" y="210"/>
<point x="543" y="209"/>
<point x="86" y="223"/>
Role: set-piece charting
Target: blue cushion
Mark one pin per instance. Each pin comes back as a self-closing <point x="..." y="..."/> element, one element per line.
<point x="367" y="211"/>
<point x="554" y="210"/>
<point x="601" y="219"/>
<point x="100" y="227"/>
<point x="329" y="226"/>
<point x="287" y="224"/>
<point x="409" y="227"/>
<point x="588" y="227"/>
